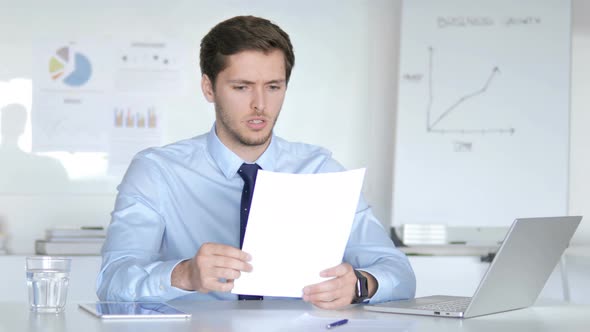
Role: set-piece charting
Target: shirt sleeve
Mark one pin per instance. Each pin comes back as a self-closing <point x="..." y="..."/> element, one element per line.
<point x="370" y="249"/>
<point x="132" y="269"/>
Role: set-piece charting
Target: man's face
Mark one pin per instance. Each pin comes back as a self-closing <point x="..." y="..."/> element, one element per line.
<point x="248" y="97"/>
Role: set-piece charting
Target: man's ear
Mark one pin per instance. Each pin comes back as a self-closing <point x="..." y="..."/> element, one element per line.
<point x="207" y="87"/>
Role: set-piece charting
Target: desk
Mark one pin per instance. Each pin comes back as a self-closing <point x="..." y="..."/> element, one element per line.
<point x="250" y="316"/>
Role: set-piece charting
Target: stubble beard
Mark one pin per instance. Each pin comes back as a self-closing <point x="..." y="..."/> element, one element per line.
<point x="226" y="121"/>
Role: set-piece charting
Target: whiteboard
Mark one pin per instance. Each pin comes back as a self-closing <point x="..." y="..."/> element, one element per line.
<point x="483" y="112"/>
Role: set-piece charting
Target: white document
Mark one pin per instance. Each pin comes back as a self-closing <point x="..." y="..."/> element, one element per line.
<point x="299" y="225"/>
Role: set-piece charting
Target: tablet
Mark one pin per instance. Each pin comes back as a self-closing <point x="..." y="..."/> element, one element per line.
<point x="133" y="310"/>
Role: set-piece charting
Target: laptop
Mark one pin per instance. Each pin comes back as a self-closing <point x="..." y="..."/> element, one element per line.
<point x="529" y="253"/>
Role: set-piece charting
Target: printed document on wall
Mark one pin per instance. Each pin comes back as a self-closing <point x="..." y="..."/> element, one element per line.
<point x="104" y="96"/>
<point x="71" y="85"/>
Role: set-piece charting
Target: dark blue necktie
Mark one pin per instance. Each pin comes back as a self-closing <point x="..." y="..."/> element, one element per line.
<point x="248" y="173"/>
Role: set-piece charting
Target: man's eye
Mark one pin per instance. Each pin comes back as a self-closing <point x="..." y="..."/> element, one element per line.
<point x="239" y="87"/>
<point x="275" y="87"/>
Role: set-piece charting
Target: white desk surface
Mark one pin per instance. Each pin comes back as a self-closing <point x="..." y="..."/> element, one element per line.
<point x="246" y="316"/>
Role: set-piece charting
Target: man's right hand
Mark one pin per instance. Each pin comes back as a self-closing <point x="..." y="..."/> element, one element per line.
<point x="212" y="262"/>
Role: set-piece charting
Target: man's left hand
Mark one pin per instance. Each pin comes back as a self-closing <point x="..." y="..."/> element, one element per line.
<point x="334" y="293"/>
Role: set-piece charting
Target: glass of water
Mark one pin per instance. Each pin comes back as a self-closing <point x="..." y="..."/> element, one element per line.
<point x="47" y="281"/>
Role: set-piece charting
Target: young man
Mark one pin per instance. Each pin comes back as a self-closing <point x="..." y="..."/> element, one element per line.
<point x="175" y="229"/>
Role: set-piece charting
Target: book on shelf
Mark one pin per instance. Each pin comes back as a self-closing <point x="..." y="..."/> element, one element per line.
<point x="47" y="247"/>
<point x="419" y="234"/>
<point x="75" y="239"/>
<point x="79" y="232"/>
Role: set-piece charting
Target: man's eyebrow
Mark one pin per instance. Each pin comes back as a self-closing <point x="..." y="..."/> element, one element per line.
<point x="240" y="82"/>
<point x="278" y="81"/>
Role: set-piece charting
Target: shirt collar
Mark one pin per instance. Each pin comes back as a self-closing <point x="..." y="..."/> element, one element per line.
<point x="229" y="162"/>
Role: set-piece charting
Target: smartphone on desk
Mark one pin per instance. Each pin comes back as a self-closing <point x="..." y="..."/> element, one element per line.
<point x="133" y="310"/>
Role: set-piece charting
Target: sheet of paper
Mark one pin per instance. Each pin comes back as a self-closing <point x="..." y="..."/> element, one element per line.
<point x="299" y="225"/>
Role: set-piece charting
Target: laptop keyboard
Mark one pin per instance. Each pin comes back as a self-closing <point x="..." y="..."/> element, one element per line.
<point x="458" y="305"/>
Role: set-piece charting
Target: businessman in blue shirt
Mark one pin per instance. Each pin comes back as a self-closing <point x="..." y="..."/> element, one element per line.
<point x="175" y="228"/>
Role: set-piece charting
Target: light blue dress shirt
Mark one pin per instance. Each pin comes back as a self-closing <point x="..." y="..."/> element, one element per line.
<point x="175" y="198"/>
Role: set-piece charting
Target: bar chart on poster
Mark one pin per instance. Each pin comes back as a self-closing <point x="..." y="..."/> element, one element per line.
<point x="89" y="106"/>
<point x="482" y="131"/>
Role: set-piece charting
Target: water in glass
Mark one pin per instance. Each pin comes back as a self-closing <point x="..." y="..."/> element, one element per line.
<point x="47" y="290"/>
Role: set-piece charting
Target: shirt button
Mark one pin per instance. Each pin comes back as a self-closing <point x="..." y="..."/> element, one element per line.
<point x="161" y="287"/>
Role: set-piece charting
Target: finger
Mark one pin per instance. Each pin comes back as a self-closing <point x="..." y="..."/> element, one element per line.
<point x="336" y="271"/>
<point x="322" y="297"/>
<point x="231" y="263"/>
<point x="207" y="262"/>
<point x="219" y="249"/>
<point x="336" y="304"/>
<point x="213" y="284"/>
<point x="329" y="299"/>
<point x="227" y="274"/>
<point x="322" y="287"/>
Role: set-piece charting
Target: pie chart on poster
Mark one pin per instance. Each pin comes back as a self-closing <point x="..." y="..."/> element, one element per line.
<point x="71" y="68"/>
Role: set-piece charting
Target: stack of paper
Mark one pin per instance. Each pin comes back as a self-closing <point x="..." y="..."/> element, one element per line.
<point x="413" y="234"/>
<point x="71" y="241"/>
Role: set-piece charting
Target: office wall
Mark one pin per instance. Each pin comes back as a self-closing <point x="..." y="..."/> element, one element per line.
<point x="335" y="89"/>
<point x="343" y="97"/>
<point x="579" y="191"/>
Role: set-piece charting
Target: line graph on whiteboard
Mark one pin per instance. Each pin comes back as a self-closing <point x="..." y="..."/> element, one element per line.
<point x="482" y="111"/>
<point x="436" y="115"/>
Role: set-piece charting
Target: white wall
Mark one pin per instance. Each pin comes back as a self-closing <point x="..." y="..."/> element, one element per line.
<point x="580" y="120"/>
<point x="343" y="77"/>
<point x="342" y="94"/>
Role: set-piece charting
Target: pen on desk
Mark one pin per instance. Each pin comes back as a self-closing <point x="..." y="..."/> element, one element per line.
<point x="337" y="323"/>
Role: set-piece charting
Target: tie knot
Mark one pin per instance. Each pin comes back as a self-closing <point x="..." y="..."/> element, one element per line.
<point x="248" y="172"/>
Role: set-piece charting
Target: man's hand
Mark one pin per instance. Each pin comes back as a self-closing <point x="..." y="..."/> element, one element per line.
<point x="338" y="292"/>
<point x="212" y="262"/>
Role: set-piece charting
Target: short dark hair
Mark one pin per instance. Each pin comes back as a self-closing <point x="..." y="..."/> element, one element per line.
<point x="239" y="34"/>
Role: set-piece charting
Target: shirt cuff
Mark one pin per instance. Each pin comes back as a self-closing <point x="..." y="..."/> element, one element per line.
<point x="162" y="282"/>
<point x="385" y="285"/>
